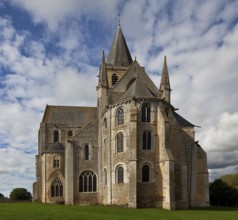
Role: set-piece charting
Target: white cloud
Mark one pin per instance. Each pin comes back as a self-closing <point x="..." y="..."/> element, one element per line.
<point x="53" y="13"/>
<point x="223" y="136"/>
<point x="16" y="170"/>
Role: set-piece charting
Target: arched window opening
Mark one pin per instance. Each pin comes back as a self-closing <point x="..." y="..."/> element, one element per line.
<point x="86" y="152"/>
<point x="119" y="143"/>
<point x="56" y="188"/>
<point x="105" y="176"/>
<point x="120" y="116"/>
<point x="120" y="175"/>
<point x="56" y="136"/>
<point x="105" y="123"/>
<point x="130" y="83"/>
<point x="70" y="133"/>
<point x="145" y="173"/>
<point x="87" y="182"/>
<point x="145" y="116"/>
<point x="146" y="140"/>
<point x="114" y="79"/>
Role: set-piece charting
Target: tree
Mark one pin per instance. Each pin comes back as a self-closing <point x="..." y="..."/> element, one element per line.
<point x="20" y="194"/>
<point x="231" y="180"/>
<point x="1" y="196"/>
<point x="222" y="194"/>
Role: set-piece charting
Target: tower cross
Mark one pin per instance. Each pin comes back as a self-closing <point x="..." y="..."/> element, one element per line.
<point x="118" y="18"/>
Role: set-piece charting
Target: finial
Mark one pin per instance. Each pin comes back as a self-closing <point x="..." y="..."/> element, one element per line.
<point x="118" y="19"/>
<point x="164" y="58"/>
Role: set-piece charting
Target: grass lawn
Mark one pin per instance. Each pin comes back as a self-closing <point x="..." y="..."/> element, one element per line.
<point x="40" y="211"/>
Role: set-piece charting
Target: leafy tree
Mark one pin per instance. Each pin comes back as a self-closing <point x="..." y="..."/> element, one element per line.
<point x="1" y="196"/>
<point x="231" y="180"/>
<point x="222" y="194"/>
<point x="20" y="194"/>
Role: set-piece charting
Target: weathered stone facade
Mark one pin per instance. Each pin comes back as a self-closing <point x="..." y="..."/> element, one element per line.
<point x="131" y="150"/>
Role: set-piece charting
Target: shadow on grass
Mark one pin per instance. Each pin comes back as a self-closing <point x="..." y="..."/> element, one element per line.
<point x="216" y="208"/>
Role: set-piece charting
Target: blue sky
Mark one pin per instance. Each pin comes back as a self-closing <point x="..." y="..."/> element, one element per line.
<point x="50" y="52"/>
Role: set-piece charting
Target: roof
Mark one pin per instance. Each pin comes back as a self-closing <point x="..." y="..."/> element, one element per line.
<point x="69" y="115"/>
<point x="103" y="72"/>
<point x="182" y="121"/>
<point x="137" y="89"/>
<point x="55" y="148"/>
<point x="119" y="54"/>
<point x="165" y="84"/>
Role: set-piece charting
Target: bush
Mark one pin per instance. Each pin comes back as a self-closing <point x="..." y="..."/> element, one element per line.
<point x="20" y="194"/>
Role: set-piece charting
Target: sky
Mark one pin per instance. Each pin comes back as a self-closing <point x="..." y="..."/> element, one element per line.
<point x="50" y="52"/>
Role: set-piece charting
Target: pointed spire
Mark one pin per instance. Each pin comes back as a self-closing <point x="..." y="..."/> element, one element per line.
<point x="103" y="72"/>
<point x="165" y="84"/>
<point x="119" y="54"/>
<point x="118" y="19"/>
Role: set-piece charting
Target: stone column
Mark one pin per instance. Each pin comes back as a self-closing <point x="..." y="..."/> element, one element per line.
<point x="69" y="174"/>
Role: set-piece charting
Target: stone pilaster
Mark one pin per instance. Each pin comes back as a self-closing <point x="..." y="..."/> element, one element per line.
<point x="69" y="174"/>
<point x="43" y="177"/>
<point x="132" y="168"/>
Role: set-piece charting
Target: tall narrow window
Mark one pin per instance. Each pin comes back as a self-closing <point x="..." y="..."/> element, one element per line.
<point x="105" y="176"/>
<point x="145" y="173"/>
<point x="145" y="114"/>
<point x="56" y="188"/>
<point x="86" y="152"/>
<point x="119" y="143"/>
<point x="56" y="136"/>
<point x="87" y="182"/>
<point x="120" y="175"/>
<point x="114" y="79"/>
<point x="146" y="140"/>
<point x="105" y="123"/>
<point x="120" y="116"/>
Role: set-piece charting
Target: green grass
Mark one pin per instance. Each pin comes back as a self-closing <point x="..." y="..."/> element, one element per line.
<point x="40" y="211"/>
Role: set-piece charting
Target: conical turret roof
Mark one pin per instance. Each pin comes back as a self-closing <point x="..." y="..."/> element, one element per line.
<point x="165" y="84"/>
<point x="103" y="72"/>
<point x="119" y="54"/>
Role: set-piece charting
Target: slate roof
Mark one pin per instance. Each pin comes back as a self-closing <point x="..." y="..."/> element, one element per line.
<point x="69" y="115"/>
<point x="56" y="148"/>
<point x="119" y="54"/>
<point x="137" y="89"/>
<point x="182" y="121"/>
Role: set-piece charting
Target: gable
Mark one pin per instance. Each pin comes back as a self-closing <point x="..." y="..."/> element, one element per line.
<point x="133" y="72"/>
<point x="137" y="88"/>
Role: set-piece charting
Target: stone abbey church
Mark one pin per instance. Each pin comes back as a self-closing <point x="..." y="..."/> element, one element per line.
<point x="132" y="150"/>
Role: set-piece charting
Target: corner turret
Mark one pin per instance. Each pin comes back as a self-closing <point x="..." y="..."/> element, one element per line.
<point x="103" y="73"/>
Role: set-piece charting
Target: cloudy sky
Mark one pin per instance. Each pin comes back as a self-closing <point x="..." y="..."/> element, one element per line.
<point x="50" y="51"/>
